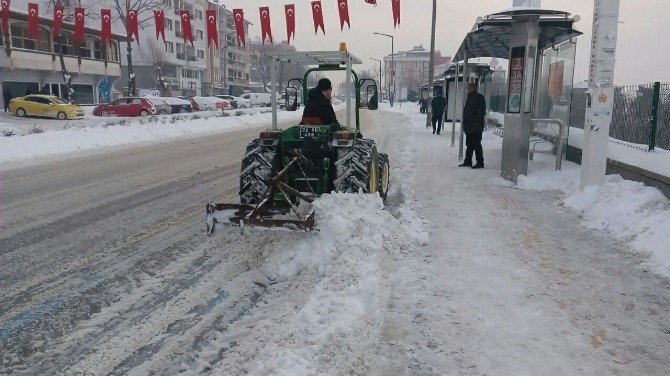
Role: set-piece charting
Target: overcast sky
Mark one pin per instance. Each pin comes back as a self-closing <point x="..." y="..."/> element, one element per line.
<point x="642" y="52"/>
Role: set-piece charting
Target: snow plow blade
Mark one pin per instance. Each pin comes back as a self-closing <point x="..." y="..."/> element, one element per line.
<point x="239" y="215"/>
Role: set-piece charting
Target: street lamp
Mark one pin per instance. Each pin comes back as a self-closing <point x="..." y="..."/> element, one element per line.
<point x="380" y="73"/>
<point x="392" y="80"/>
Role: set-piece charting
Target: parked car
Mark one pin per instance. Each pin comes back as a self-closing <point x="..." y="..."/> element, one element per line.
<point x="162" y="106"/>
<point x="258" y="99"/>
<point x="211" y="103"/>
<point x="44" y="105"/>
<point x="130" y="106"/>
<point x="178" y="105"/>
<point x="230" y="99"/>
<point x="194" y="105"/>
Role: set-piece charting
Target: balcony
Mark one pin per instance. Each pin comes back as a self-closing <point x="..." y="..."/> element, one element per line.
<point x="183" y="56"/>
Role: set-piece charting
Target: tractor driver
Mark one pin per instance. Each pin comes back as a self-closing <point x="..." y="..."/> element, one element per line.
<point x="318" y="109"/>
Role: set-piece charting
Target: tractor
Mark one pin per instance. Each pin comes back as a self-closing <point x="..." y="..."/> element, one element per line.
<point x="283" y="171"/>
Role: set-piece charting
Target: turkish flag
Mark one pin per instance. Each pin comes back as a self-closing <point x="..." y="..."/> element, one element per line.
<point x="159" y="20"/>
<point x="58" y="20"/>
<point x="371" y="2"/>
<point x="289" y="9"/>
<point x="133" y="25"/>
<point x="33" y="21"/>
<point x="395" y="4"/>
<point x="212" y="27"/>
<point x="238" y="15"/>
<point x="343" y="6"/>
<point x="106" y="29"/>
<point x="186" y="28"/>
<point x="79" y="25"/>
<point x="5" y="16"/>
<point x="317" y="14"/>
<point x="266" y="30"/>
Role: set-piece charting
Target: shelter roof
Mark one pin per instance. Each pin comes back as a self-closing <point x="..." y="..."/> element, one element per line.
<point x="490" y="37"/>
<point x="316" y="57"/>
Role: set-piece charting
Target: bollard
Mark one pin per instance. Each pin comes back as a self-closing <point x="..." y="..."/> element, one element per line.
<point x="654" y="116"/>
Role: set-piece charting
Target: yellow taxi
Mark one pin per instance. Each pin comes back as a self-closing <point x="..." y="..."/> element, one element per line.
<point x="44" y="105"/>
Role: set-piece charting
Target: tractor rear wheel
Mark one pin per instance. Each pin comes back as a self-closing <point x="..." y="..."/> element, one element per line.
<point x="259" y="165"/>
<point x="357" y="168"/>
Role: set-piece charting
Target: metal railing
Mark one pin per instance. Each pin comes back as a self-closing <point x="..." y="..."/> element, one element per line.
<point x="561" y="138"/>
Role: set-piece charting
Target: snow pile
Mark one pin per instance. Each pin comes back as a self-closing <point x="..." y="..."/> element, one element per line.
<point x="627" y="209"/>
<point x="327" y="305"/>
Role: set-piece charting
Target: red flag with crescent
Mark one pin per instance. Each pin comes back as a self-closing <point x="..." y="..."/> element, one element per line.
<point x="343" y="6"/>
<point x="395" y="4"/>
<point x="371" y="2"/>
<point x="289" y="9"/>
<point x="186" y="28"/>
<point x="238" y="15"/>
<point x="58" y="20"/>
<point x="266" y="30"/>
<point x="317" y="15"/>
<point x="106" y="29"/>
<point x="212" y="27"/>
<point x="33" y="21"/>
<point x="79" y="25"/>
<point x="133" y="25"/>
<point x="5" y="16"/>
<point x="159" y="21"/>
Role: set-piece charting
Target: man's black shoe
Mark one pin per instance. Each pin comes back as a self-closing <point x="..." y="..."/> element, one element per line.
<point x="433" y="132"/>
<point x="465" y="164"/>
<point x="438" y="132"/>
<point x="478" y="165"/>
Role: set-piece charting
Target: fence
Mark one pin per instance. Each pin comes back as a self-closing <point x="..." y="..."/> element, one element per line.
<point x="642" y="115"/>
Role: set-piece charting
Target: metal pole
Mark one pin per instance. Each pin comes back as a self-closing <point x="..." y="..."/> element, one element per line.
<point x="453" y="117"/>
<point x="392" y="71"/>
<point x="347" y="89"/>
<point x="431" y="65"/>
<point x="654" y="116"/>
<point x="273" y="80"/>
<point x="601" y="92"/>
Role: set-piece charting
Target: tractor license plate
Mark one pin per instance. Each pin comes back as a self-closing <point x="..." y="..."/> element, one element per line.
<point x="310" y="132"/>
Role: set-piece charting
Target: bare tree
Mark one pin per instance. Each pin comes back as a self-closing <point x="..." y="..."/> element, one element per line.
<point x="261" y="63"/>
<point x="67" y="76"/>
<point x="144" y="10"/>
<point x="156" y="54"/>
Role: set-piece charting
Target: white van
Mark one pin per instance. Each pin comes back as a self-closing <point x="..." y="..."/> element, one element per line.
<point x="258" y="99"/>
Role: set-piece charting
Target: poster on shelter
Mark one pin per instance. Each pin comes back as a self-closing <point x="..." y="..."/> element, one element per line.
<point x="556" y="79"/>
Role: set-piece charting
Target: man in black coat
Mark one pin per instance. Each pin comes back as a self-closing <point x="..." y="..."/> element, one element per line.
<point x="318" y="109"/>
<point x="473" y="126"/>
<point x="438" y="104"/>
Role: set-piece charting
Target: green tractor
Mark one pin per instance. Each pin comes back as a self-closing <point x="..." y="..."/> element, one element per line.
<point x="283" y="169"/>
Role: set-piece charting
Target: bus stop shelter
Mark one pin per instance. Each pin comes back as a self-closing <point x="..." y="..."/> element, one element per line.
<point x="540" y="47"/>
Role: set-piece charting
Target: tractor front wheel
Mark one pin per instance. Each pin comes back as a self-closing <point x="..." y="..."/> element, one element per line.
<point x="384" y="175"/>
<point x="259" y="165"/>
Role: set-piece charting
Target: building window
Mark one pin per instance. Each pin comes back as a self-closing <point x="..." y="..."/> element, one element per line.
<point x="189" y="73"/>
<point x="67" y="46"/>
<point x="177" y="28"/>
<point x="19" y="32"/>
<point x="168" y="24"/>
<point x="200" y="34"/>
<point x="169" y="47"/>
<point x="201" y="54"/>
<point x="198" y="14"/>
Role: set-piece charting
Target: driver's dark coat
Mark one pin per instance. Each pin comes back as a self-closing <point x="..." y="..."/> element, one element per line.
<point x="318" y="106"/>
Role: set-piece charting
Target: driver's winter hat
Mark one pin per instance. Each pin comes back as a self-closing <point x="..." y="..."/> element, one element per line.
<point x="324" y="84"/>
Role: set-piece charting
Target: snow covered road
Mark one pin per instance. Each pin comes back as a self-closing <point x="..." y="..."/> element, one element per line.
<point x="105" y="269"/>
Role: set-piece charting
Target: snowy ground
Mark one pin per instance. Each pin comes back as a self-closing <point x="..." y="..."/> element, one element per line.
<point x="458" y="274"/>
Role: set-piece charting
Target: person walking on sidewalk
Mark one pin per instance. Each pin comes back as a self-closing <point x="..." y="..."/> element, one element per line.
<point x="473" y="126"/>
<point x="438" y="104"/>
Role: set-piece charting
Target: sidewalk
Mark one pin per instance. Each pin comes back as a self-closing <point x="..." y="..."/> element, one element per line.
<point x="513" y="283"/>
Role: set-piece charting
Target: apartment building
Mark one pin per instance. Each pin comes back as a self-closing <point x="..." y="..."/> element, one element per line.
<point x="34" y="66"/>
<point x="229" y="65"/>
<point x="411" y="69"/>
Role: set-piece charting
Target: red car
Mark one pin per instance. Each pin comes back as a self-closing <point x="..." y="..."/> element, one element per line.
<point x="131" y="106"/>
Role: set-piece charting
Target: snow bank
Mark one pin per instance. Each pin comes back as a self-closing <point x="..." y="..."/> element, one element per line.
<point x="328" y="300"/>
